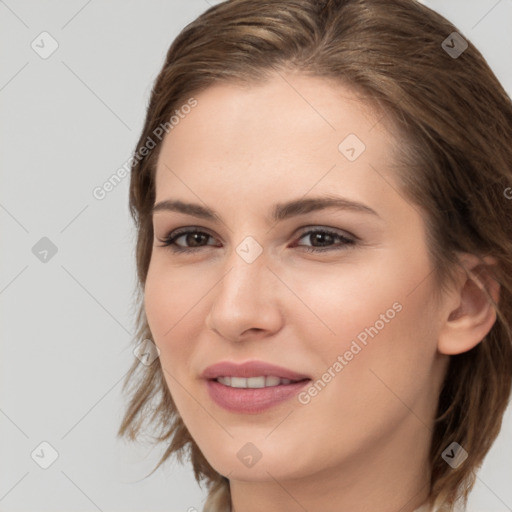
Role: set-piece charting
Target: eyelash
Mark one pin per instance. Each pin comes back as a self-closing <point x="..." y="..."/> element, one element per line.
<point x="170" y="240"/>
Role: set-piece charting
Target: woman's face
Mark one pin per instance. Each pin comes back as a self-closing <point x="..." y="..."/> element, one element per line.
<point x="356" y="316"/>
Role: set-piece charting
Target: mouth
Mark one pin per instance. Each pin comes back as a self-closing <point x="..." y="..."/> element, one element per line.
<point x="251" y="373"/>
<point x="259" y="382"/>
<point x="252" y="387"/>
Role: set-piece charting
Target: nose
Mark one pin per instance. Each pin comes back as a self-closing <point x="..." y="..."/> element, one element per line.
<point x="245" y="301"/>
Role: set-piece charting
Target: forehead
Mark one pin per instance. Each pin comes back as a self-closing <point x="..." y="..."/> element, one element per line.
<point x="285" y="134"/>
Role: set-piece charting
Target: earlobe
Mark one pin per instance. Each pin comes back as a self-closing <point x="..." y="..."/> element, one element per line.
<point x="472" y="318"/>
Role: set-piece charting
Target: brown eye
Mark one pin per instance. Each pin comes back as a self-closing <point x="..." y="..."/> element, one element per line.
<point x="322" y="240"/>
<point x="190" y="240"/>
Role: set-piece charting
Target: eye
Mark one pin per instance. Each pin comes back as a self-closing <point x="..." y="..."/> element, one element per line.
<point x="322" y="240"/>
<point x="194" y="237"/>
<point x="325" y="238"/>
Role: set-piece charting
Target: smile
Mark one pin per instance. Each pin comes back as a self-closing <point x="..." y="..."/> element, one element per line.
<point x="253" y="382"/>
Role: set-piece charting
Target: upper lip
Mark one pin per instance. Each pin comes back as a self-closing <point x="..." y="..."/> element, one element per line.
<point x="250" y="369"/>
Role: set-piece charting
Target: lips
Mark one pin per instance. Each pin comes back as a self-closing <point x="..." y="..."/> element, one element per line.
<point x="251" y="369"/>
<point x="238" y="389"/>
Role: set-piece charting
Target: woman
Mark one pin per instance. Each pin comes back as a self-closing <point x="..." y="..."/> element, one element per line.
<point x="323" y="255"/>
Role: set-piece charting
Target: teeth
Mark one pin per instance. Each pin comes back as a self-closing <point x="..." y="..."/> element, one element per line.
<point x="253" y="382"/>
<point x="272" y="381"/>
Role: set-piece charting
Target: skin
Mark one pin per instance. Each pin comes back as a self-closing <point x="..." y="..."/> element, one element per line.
<point x="362" y="443"/>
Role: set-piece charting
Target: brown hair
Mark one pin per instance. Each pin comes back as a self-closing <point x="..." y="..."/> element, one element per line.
<point x="456" y="121"/>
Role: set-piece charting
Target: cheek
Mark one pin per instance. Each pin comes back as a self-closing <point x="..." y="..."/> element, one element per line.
<point x="172" y="301"/>
<point x="386" y="373"/>
<point x="357" y="299"/>
<point x="378" y="318"/>
<point x="170" y="295"/>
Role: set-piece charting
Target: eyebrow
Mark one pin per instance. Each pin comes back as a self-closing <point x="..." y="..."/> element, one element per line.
<point x="280" y="211"/>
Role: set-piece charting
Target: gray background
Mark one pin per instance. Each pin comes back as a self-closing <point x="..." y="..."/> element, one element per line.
<point x="68" y="122"/>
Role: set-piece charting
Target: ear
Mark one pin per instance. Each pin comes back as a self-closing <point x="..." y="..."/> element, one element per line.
<point x="470" y="313"/>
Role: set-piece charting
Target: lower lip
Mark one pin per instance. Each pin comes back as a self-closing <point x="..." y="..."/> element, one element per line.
<point x="252" y="400"/>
